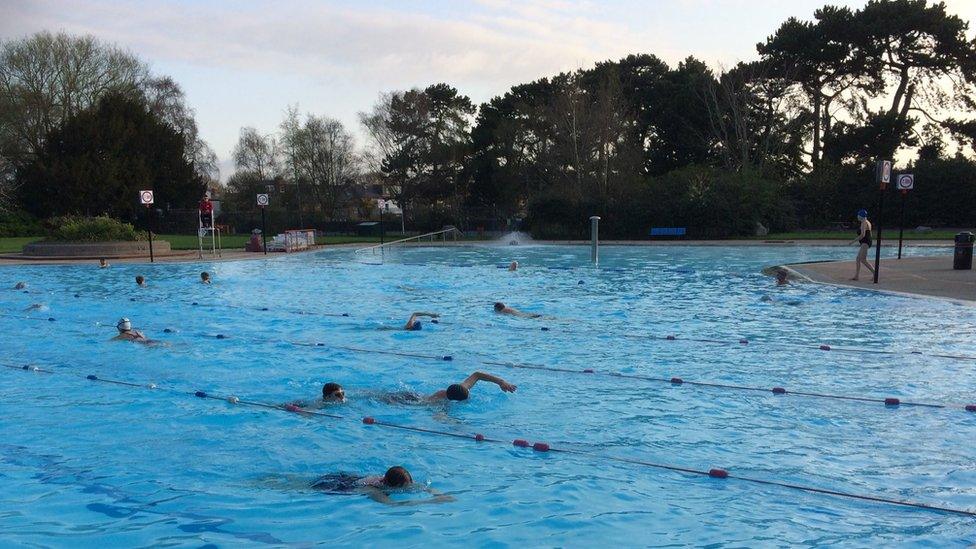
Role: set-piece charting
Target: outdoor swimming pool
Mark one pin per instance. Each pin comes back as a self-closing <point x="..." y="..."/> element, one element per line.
<point x="93" y="464"/>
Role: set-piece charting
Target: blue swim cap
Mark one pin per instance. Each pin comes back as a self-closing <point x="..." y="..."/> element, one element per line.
<point x="415" y="326"/>
<point x="862" y="213"/>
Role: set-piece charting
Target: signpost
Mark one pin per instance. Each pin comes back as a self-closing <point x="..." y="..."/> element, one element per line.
<point x="263" y="203"/>
<point x="904" y="183"/>
<point x="146" y="199"/>
<point x="884" y="177"/>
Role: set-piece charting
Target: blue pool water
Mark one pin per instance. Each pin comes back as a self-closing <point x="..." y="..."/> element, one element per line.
<point x="95" y="464"/>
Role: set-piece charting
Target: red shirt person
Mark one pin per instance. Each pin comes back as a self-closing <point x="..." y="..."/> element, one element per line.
<point x="206" y="210"/>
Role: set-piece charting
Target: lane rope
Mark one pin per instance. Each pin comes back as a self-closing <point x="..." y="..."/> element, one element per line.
<point x="713" y="473"/>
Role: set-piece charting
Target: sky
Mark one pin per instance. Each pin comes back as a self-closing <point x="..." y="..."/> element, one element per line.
<point x="243" y="62"/>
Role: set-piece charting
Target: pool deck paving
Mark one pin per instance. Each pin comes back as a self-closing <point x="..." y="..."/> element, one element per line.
<point x="916" y="276"/>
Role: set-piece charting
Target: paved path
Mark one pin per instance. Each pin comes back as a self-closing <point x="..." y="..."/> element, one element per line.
<point x="925" y="276"/>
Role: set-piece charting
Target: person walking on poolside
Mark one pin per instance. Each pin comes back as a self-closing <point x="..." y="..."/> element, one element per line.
<point x="503" y="309"/>
<point x="864" y="242"/>
<point x="377" y="487"/>
<point x="414" y="324"/>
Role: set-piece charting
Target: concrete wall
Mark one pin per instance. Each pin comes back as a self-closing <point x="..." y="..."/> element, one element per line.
<point x="95" y="250"/>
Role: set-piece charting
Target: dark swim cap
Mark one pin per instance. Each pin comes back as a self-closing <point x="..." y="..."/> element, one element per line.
<point x="416" y="325"/>
<point x="457" y="392"/>
<point x="499" y="306"/>
<point x="397" y="477"/>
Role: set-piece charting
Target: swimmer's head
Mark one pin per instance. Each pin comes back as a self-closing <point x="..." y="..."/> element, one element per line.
<point x="416" y="326"/>
<point x="782" y="275"/>
<point x="333" y="392"/>
<point x="123" y="324"/>
<point x="140" y="280"/>
<point x="397" y="477"/>
<point x="457" y="392"/>
<point x="102" y="262"/>
<point x="513" y="266"/>
<point x="20" y="286"/>
<point x="862" y="214"/>
<point x="205" y="276"/>
<point x="499" y="306"/>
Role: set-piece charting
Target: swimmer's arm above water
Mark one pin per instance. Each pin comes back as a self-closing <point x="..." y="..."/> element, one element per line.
<point x="482" y="376"/>
<point x="414" y="316"/>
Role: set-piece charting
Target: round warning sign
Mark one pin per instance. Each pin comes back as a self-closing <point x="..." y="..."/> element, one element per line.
<point x="262" y="200"/>
<point x="905" y="182"/>
<point x="145" y="197"/>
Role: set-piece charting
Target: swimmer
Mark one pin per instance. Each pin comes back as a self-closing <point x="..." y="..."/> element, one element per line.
<point x="413" y="324"/>
<point x="461" y="391"/>
<point x="331" y="393"/>
<point x="141" y="281"/>
<point x="782" y="277"/>
<point x="20" y="286"/>
<point x="513" y="266"/>
<point x="102" y="263"/>
<point x="36" y="307"/>
<point x="205" y="277"/>
<point x="126" y="332"/>
<point x="377" y="487"/>
<point x="502" y="309"/>
<point x="456" y="391"/>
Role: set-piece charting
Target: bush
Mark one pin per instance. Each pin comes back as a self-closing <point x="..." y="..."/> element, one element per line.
<point x="17" y="223"/>
<point x="91" y="229"/>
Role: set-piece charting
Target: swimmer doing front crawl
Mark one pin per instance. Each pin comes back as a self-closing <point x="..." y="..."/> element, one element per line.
<point x="414" y="324"/>
<point x="377" y="487"/>
<point x="503" y="309"/>
<point x="333" y="393"/>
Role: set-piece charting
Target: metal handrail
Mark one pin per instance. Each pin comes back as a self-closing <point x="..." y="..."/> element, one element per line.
<point x="431" y="235"/>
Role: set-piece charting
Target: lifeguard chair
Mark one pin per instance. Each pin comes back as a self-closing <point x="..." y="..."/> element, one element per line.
<point x="206" y="227"/>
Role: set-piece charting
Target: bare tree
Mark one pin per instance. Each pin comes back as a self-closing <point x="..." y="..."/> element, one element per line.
<point x="165" y="98"/>
<point x="324" y="156"/>
<point x="256" y="153"/>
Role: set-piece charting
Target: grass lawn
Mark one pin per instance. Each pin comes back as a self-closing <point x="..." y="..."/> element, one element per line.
<point x="12" y="245"/>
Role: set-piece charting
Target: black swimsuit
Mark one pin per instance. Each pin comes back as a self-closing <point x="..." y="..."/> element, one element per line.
<point x="338" y="483"/>
<point x="866" y="239"/>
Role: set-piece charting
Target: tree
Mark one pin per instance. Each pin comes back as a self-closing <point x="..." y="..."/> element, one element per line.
<point x="47" y="78"/>
<point x="325" y="158"/>
<point x="99" y="159"/>
<point x="424" y="134"/>
<point x="165" y="99"/>
<point x="257" y="153"/>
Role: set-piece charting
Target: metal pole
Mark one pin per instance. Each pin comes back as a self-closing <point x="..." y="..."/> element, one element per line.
<point x="901" y="227"/>
<point x="149" y="224"/>
<point x="595" y="239"/>
<point x="382" y="231"/>
<point x="264" y="231"/>
<point x="877" y="251"/>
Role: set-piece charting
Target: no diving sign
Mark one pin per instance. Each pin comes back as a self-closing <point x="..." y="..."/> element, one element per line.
<point x="262" y="200"/>
<point x="905" y="182"/>
<point x="145" y="198"/>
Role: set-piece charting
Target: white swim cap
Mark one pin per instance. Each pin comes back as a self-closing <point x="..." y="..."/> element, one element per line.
<point x="123" y="324"/>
